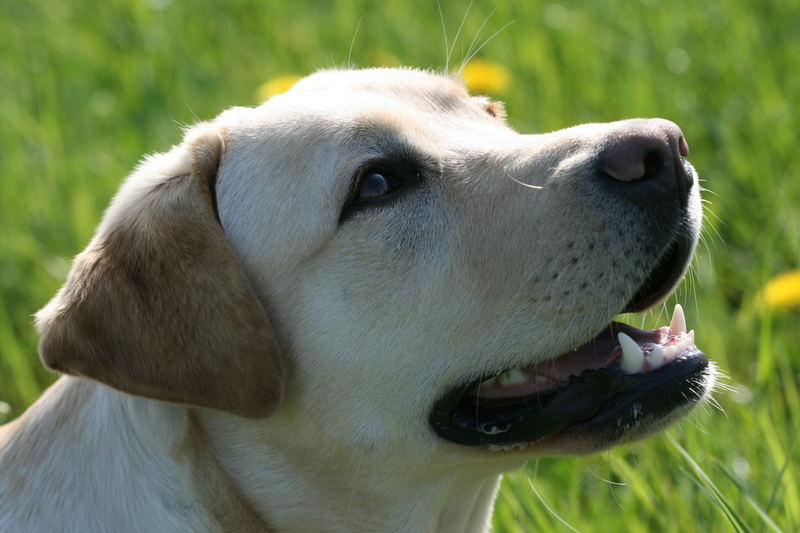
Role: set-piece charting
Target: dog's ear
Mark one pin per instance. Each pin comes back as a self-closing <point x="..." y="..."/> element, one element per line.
<point x="158" y="304"/>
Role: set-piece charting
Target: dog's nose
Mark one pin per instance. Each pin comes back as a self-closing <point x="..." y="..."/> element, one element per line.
<point x="646" y="150"/>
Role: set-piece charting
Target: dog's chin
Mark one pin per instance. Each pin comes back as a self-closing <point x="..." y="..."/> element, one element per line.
<point x="583" y="440"/>
<point x="621" y="385"/>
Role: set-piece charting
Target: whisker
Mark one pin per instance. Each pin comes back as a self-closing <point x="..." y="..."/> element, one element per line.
<point x="549" y="509"/>
<point x="458" y="34"/>
<point x="352" y="42"/>
<point x="492" y="36"/>
<point x="477" y="35"/>
<point x="444" y="34"/>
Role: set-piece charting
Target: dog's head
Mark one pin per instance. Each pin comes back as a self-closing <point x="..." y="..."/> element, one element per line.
<point x="413" y="272"/>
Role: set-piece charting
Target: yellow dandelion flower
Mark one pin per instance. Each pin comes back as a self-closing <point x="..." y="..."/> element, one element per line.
<point x="483" y="77"/>
<point x="782" y="291"/>
<point x="276" y="85"/>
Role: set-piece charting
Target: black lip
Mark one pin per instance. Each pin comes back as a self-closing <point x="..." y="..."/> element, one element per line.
<point x="596" y="402"/>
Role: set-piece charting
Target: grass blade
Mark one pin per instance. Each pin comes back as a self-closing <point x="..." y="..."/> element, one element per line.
<point x="718" y="497"/>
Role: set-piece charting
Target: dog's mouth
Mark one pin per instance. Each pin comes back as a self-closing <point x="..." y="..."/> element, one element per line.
<point x="621" y="376"/>
<point x="618" y="385"/>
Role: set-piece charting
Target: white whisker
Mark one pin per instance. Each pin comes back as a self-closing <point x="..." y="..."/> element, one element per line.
<point x="549" y="509"/>
<point x="475" y="39"/>
<point x="444" y="34"/>
<point x="492" y="36"/>
<point x="458" y="34"/>
<point x="352" y="42"/>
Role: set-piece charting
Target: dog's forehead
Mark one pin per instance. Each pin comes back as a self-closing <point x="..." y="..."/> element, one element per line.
<point x="329" y="107"/>
<point x="343" y="97"/>
<point x="415" y="87"/>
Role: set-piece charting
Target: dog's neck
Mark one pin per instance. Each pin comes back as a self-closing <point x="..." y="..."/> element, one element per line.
<point x="86" y="458"/>
<point x="208" y="472"/>
<point x="354" y="490"/>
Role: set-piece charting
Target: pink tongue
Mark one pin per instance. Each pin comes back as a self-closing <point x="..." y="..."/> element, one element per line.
<point x="598" y="353"/>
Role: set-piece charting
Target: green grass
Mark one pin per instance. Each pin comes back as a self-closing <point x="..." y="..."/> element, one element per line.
<point x="87" y="87"/>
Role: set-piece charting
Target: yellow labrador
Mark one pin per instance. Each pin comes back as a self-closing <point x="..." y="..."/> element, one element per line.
<point x="350" y="309"/>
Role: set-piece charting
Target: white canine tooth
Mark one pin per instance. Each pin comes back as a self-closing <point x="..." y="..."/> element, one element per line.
<point x="512" y="377"/>
<point x="656" y="357"/>
<point x="632" y="356"/>
<point x="678" y="324"/>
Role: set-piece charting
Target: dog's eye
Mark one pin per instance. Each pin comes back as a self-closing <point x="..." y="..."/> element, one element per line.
<point x="372" y="185"/>
<point x="380" y="183"/>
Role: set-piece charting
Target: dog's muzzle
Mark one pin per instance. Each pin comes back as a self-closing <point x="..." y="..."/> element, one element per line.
<point x="624" y="382"/>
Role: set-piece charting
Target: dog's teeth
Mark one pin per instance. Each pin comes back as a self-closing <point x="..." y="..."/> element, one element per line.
<point x="678" y="324"/>
<point x="632" y="356"/>
<point x="656" y="357"/>
<point x="512" y="377"/>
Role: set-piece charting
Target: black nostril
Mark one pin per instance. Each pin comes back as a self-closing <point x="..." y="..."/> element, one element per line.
<point x="653" y="163"/>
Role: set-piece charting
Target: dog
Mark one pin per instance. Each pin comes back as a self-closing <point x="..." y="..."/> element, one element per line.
<point x="353" y="307"/>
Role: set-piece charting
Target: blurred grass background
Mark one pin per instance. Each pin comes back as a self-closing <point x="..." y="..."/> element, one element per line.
<point x="87" y="88"/>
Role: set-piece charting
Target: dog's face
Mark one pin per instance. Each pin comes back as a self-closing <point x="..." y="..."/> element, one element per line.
<point x="410" y="245"/>
<point x="440" y="286"/>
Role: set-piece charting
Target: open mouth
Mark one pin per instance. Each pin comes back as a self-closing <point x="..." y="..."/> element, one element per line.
<point x="624" y="372"/>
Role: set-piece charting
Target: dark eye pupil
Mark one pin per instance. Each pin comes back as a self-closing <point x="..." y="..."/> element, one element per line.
<point x="372" y="186"/>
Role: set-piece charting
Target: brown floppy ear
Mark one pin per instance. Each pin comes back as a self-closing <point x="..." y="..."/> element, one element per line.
<point x="158" y="304"/>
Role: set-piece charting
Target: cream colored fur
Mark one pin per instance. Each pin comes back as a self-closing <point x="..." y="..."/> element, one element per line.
<point x="277" y="366"/>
